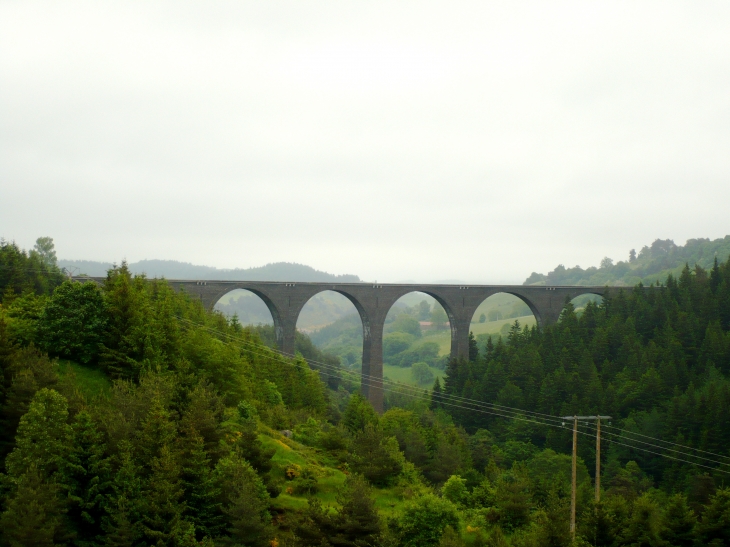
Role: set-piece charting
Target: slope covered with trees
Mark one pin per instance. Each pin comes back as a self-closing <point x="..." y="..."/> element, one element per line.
<point x="132" y="416"/>
<point x="652" y="263"/>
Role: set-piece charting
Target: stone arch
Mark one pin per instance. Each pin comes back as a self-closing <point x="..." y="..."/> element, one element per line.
<point x="504" y="316"/>
<point x="361" y="311"/>
<point x="448" y="303"/>
<point x="276" y="314"/>
<point x="530" y="304"/>
<point x="588" y="293"/>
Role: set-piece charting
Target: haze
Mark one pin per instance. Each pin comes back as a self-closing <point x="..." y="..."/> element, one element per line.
<point x="396" y="141"/>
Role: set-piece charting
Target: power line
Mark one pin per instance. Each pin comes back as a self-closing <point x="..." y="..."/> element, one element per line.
<point x="503" y="409"/>
<point x="420" y="396"/>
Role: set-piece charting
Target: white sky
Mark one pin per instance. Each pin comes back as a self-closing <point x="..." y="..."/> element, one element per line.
<point x="394" y="140"/>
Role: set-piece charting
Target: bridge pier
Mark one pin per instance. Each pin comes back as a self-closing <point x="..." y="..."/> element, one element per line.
<point x="371" y="380"/>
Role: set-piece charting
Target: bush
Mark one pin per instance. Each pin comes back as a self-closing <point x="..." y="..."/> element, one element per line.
<point x="421" y="373"/>
<point x="424" y="520"/>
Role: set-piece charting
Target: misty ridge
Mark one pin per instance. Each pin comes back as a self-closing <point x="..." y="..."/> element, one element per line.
<point x="173" y="269"/>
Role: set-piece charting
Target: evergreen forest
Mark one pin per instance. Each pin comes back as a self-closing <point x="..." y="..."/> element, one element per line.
<point x="131" y="416"/>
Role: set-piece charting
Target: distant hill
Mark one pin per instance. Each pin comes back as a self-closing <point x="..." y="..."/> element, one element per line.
<point x="653" y="263"/>
<point x="172" y="269"/>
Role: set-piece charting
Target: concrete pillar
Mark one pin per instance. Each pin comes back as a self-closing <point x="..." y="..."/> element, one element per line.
<point x="286" y="335"/>
<point x="372" y="364"/>
<point x="460" y="337"/>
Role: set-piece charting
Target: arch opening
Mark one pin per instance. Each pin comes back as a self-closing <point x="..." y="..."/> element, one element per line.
<point x="581" y="301"/>
<point x="334" y="325"/>
<point x="496" y="316"/>
<point x="248" y="307"/>
<point x="417" y="339"/>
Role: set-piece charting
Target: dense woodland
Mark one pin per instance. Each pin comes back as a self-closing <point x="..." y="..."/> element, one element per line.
<point x="132" y="416"/>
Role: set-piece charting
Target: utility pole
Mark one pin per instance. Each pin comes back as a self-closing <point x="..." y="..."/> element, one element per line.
<point x="574" y="486"/>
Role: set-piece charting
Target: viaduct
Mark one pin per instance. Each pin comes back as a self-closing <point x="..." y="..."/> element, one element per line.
<point x="373" y="301"/>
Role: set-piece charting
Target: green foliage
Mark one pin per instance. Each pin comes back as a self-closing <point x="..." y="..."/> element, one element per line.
<point x="73" y="322"/>
<point x="679" y="522"/>
<point x="424" y="520"/>
<point x="406" y="324"/>
<point x="396" y="343"/>
<point x="358" y="414"/>
<point x="653" y="263"/>
<point x="245" y="502"/>
<point x="438" y="316"/>
<point x="421" y="373"/>
<point x="375" y="456"/>
<point x="170" y="451"/>
<point x="454" y="490"/>
<point x="33" y="512"/>
<point x="714" y="526"/>
<point x="26" y="371"/>
<point x="22" y="272"/>
<point x="23" y="314"/>
<point x="86" y="476"/>
<point x="43" y="437"/>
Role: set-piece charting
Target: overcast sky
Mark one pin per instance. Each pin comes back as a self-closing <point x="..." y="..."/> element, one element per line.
<point x="394" y="140"/>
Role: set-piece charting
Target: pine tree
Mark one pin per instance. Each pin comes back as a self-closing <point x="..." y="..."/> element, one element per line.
<point x="473" y="348"/>
<point x="124" y="506"/>
<point x="202" y="494"/>
<point x="436" y="395"/>
<point x="245" y="503"/>
<point x="357" y="523"/>
<point x="679" y="523"/>
<point x="43" y="436"/>
<point x="358" y="414"/>
<point x="33" y="515"/>
<point x="120" y="530"/>
<point x="86" y="477"/>
<point x="714" y="527"/>
<point x="163" y="506"/>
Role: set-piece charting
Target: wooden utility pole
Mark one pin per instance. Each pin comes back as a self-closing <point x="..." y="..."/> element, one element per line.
<point x="598" y="461"/>
<point x="574" y="485"/>
<point x="574" y="477"/>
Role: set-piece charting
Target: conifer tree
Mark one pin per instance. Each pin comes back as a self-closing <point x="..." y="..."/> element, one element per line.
<point x="201" y="490"/>
<point x="436" y="395"/>
<point x="86" y="475"/>
<point x="163" y="505"/>
<point x="473" y="348"/>
<point x="43" y="436"/>
<point x="714" y="527"/>
<point x="120" y="530"/>
<point x="245" y="503"/>
<point x="124" y="506"/>
<point x="358" y="414"/>
<point x="357" y="523"/>
<point x="33" y="513"/>
<point x="679" y="523"/>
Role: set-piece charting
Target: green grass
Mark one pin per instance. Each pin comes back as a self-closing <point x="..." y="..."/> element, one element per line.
<point x="289" y="452"/>
<point x="92" y="382"/>
<point x="443" y="337"/>
<point x="330" y="479"/>
<point x="403" y="375"/>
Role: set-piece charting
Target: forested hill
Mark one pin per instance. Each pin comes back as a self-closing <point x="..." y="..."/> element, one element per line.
<point x="172" y="269"/>
<point x="652" y="263"/>
<point x="131" y="416"/>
